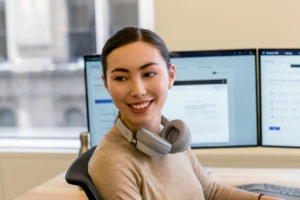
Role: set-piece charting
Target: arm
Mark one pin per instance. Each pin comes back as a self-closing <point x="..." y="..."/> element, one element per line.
<point x="215" y="191"/>
<point x="269" y="198"/>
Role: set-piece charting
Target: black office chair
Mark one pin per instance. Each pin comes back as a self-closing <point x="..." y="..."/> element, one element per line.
<point x="77" y="174"/>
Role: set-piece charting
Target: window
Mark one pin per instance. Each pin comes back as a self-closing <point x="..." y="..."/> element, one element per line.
<point x="7" y="118"/>
<point x="81" y="24"/>
<point x="42" y="91"/>
<point x="123" y="14"/>
<point x="74" y="118"/>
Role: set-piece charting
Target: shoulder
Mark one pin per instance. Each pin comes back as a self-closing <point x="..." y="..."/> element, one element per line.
<point x="114" y="167"/>
<point x="111" y="148"/>
<point x="190" y="155"/>
<point x="114" y="153"/>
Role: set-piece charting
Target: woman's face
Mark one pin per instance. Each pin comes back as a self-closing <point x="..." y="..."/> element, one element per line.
<point x="138" y="81"/>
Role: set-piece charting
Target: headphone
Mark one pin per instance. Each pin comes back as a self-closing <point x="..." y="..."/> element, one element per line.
<point x="174" y="137"/>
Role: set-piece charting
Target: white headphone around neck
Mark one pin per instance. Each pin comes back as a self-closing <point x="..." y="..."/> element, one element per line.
<point x="174" y="137"/>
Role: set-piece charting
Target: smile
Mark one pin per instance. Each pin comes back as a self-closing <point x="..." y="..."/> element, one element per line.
<point x="140" y="106"/>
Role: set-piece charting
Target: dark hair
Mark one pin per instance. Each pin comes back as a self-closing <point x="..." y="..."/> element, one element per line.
<point x="133" y="34"/>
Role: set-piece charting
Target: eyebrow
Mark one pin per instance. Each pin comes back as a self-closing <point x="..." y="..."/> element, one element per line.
<point x="120" y="69"/>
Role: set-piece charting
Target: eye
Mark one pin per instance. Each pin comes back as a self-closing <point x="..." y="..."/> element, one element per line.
<point x="120" y="78"/>
<point x="150" y="74"/>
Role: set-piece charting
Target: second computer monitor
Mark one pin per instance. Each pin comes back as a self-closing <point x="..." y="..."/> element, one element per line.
<point x="215" y="94"/>
<point x="280" y="97"/>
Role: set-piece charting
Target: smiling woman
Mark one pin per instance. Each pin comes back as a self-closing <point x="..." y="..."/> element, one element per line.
<point x="139" y="89"/>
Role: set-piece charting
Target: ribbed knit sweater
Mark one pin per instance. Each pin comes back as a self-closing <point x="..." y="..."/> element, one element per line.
<point x="120" y="171"/>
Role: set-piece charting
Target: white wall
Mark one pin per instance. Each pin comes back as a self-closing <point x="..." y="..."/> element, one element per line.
<point x="216" y="24"/>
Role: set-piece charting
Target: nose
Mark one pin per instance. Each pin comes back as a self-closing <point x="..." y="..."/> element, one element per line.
<point x="138" y="88"/>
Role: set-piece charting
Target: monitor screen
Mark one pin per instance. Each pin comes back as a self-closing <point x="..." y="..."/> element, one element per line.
<point x="214" y="93"/>
<point x="101" y="112"/>
<point x="280" y="97"/>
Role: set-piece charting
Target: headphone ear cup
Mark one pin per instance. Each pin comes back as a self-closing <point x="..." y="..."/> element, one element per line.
<point x="178" y="134"/>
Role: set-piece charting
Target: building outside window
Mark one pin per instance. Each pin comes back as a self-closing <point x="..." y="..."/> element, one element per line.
<point x="81" y="28"/>
<point x="75" y="118"/>
<point x="7" y="118"/>
<point x="123" y="14"/>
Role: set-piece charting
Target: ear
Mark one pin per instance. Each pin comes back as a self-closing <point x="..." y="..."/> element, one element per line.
<point x="105" y="82"/>
<point x="172" y="72"/>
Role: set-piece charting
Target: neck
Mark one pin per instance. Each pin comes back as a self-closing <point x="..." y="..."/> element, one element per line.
<point x="154" y="126"/>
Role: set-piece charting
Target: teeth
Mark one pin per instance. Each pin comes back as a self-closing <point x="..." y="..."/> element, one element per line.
<point x="140" y="106"/>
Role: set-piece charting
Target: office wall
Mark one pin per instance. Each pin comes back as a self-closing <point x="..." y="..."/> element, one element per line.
<point x="1" y="180"/>
<point x="20" y="172"/>
<point x="216" y="24"/>
<point x="256" y="157"/>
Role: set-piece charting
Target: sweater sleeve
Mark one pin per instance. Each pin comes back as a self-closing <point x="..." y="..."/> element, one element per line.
<point x="213" y="190"/>
<point x="114" y="179"/>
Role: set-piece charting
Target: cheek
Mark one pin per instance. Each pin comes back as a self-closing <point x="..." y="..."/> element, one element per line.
<point x="116" y="92"/>
<point x="161" y="88"/>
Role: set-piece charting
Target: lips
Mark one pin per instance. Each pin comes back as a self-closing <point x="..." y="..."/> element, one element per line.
<point x="140" y="106"/>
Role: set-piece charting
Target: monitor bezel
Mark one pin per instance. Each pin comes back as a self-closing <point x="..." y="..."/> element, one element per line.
<point x="85" y="57"/>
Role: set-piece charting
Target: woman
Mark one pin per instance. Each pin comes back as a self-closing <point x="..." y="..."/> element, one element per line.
<point x="137" y="73"/>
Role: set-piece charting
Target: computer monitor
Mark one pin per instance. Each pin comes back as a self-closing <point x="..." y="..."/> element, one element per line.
<point x="280" y="97"/>
<point x="214" y="93"/>
<point x="101" y="112"/>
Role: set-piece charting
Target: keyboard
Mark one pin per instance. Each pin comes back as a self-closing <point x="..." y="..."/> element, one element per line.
<point x="287" y="193"/>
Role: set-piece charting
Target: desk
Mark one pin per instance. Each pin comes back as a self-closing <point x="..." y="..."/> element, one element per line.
<point x="57" y="188"/>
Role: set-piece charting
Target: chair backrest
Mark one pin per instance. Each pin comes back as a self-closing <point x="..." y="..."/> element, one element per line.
<point x="77" y="174"/>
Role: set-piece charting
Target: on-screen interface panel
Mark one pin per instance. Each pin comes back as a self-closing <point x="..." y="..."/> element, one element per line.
<point x="280" y="97"/>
